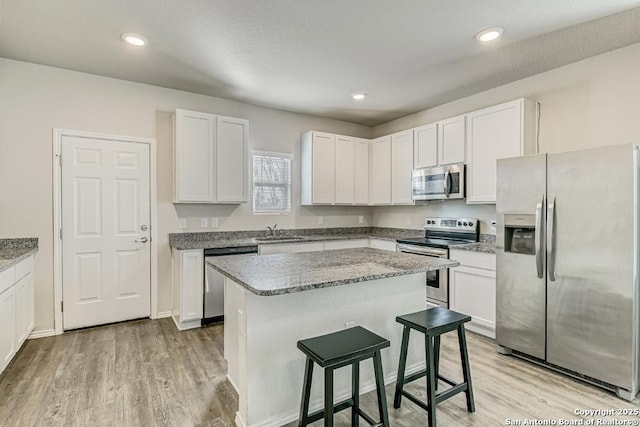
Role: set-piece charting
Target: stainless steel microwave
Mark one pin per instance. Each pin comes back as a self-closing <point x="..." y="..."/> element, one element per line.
<point x="438" y="183"/>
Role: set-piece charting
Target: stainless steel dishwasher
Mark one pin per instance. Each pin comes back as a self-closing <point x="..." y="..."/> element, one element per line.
<point x="214" y="282"/>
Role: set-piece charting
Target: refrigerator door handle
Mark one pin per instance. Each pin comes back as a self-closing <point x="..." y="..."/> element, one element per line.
<point x="447" y="174"/>
<point x="551" y="250"/>
<point x="539" y="237"/>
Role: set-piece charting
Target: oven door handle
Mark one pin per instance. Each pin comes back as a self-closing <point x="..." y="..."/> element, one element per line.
<point x="447" y="176"/>
<point x="421" y="251"/>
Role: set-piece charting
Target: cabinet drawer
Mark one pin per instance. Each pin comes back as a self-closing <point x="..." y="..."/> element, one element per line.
<point x="474" y="259"/>
<point x="7" y="278"/>
<point x="24" y="267"/>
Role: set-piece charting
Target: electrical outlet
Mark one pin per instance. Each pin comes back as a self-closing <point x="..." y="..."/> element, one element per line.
<point x="204" y="222"/>
<point x="320" y="220"/>
<point x="214" y="222"/>
<point x="360" y="219"/>
<point x="493" y="224"/>
<point x="183" y="223"/>
<point x="350" y="324"/>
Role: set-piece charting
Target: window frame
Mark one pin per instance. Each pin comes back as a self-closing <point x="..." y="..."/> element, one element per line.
<point x="285" y="156"/>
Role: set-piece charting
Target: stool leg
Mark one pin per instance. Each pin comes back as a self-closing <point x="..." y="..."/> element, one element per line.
<point x="328" y="397"/>
<point x="306" y="393"/>
<point x="436" y="351"/>
<point x="402" y="364"/>
<point x="355" y="393"/>
<point x="431" y="380"/>
<point x="382" y="397"/>
<point x="466" y="370"/>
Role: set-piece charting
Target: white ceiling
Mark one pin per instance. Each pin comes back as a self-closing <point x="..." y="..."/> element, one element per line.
<point x="309" y="56"/>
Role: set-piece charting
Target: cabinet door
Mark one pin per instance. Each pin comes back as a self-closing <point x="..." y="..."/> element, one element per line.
<point x="192" y="284"/>
<point x="473" y="292"/>
<point x="323" y="168"/>
<point x="7" y="326"/>
<point x="232" y="136"/>
<point x="493" y="133"/>
<point x="361" y="169"/>
<point x="401" y="167"/>
<point x="425" y="146"/>
<point x="451" y="138"/>
<point x="385" y="245"/>
<point x="24" y="309"/>
<point x="290" y="248"/>
<point x="346" y="244"/>
<point x="380" y="171"/>
<point x="345" y="173"/>
<point x="194" y="157"/>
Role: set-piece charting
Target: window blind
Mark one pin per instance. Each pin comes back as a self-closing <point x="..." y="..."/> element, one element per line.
<point x="271" y="183"/>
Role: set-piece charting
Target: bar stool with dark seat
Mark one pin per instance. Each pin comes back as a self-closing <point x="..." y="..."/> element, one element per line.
<point x="433" y="323"/>
<point x="333" y="351"/>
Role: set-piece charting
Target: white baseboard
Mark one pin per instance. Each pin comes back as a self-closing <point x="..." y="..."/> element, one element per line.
<point x="293" y="415"/>
<point x="42" y="334"/>
<point x="163" y="314"/>
<point x="233" y="384"/>
<point x="183" y="326"/>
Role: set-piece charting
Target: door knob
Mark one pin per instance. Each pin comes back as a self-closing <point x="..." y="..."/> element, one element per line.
<point x="142" y="240"/>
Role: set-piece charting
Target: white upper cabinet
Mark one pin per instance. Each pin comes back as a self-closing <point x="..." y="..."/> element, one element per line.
<point x="318" y="168"/>
<point x="194" y="157"/>
<point x="451" y="139"/>
<point x="501" y="131"/>
<point x="361" y="171"/>
<point x="380" y="171"/>
<point x="232" y="140"/>
<point x="210" y="158"/>
<point x="345" y="171"/>
<point x="425" y="146"/>
<point x="401" y="167"/>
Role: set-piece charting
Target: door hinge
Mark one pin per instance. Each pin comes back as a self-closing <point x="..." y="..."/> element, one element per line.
<point x="61" y="234"/>
<point x="62" y="306"/>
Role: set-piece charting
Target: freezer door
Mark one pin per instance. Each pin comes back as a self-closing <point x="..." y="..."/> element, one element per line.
<point x="520" y="289"/>
<point x="592" y="263"/>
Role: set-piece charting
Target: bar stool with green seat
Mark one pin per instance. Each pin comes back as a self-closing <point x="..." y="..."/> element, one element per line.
<point x="336" y="350"/>
<point x="433" y="323"/>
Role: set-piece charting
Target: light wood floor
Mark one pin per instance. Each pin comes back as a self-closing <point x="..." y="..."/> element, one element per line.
<point x="146" y="373"/>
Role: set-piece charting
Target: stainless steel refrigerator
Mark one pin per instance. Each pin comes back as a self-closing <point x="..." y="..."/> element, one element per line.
<point x="567" y="263"/>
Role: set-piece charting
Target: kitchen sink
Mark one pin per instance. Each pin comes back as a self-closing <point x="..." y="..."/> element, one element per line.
<point x="272" y="238"/>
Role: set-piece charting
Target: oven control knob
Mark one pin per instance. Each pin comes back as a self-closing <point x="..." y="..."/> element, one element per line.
<point x="459" y="223"/>
<point x="464" y="223"/>
<point x="470" y="224"/>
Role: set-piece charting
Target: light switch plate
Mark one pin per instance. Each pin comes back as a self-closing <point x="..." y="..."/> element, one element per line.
<point x="360" y="219"/>
<point x="320" y="220"/>
<point x="214" y="222"/>
<point x="204" y="222"/>
<point x="183" y="223"/>
<point x="493" y="224"/>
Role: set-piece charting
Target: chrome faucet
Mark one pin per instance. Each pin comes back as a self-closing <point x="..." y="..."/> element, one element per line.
<point x="272" y="230"/>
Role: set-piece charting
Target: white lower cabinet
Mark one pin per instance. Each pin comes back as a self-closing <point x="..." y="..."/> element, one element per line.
<point x="289" y="248"/>
<point x="188" y="287"/>
<point x="346" y="244"/>
<point x="385" y="245"/>
<point x="472" y="289"/>
<point x="16" y="308"/>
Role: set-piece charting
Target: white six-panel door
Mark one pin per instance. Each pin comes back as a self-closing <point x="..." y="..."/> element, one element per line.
<point x="105" y="231"/>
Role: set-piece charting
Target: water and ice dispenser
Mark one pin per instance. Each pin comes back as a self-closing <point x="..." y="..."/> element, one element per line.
<point x="519" y="234"/>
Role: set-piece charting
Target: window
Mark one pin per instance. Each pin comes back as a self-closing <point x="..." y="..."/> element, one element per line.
<point x="271" y="182"/>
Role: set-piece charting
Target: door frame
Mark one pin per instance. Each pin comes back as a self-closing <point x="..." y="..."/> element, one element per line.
<point x="58" y="134"/>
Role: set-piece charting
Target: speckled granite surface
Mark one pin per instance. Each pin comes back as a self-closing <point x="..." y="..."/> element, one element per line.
<point x="228" y="239"/>
<point x="286" y="273"/>
<point x="13" y="251"/>
<point x="487" y="248"/>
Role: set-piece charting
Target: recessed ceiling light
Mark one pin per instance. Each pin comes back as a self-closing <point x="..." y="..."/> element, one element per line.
<point x="359" y="96"/>
<point x="489" y="34"/>
<point x="134" y="39"/>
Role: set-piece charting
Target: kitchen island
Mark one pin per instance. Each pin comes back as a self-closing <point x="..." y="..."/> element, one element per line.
<point x="273" y="301"/>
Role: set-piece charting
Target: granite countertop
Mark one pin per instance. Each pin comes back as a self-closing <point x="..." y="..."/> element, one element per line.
<point x="231" y="239"/>
<point x="286" y="273"/>
<point x="486" y="248"/>
<point x="13" y="251"/>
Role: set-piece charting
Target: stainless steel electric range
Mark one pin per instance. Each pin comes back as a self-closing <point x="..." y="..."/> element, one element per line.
<point x="440" y="235"/>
